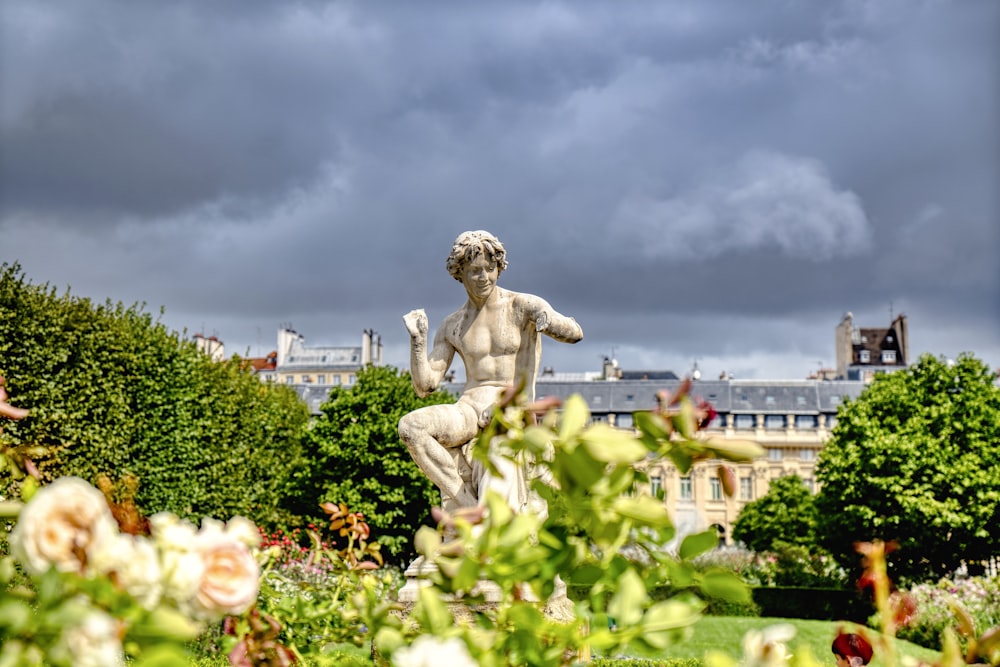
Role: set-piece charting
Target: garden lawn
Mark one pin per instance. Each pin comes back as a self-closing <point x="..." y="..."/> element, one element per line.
<point x="725" y="634"/>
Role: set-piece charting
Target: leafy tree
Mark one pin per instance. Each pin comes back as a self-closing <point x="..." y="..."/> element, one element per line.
<point x="359" y="459"/>
<point x="112" y="391"/>
<point x="915" y="459"/>
<point x="785" y="514"/>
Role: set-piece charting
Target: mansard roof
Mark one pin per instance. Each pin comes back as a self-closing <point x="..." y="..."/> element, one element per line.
<point x="785" y="397"/>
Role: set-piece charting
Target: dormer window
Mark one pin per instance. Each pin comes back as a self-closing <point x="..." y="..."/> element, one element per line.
<point x="864" y="357"/>
<point x="888" y="356"/>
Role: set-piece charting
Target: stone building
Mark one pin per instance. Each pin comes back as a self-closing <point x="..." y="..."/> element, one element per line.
<point x="296" y="363"/>
<point x="791" y="419"/>
<point x="864" y="352"/>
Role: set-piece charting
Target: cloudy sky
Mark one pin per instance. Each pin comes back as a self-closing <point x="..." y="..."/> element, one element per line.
<point x="710" y="182"/>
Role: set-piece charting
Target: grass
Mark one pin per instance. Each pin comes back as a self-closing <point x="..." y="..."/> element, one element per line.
<point x="725" y="634"/>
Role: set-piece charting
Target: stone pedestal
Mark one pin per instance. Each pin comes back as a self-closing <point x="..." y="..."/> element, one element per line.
<point x="487" y="597"/>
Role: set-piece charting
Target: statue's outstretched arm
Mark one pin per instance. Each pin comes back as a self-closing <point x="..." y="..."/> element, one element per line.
<point x="427" y="369"/>
<point x="550" y="322"/>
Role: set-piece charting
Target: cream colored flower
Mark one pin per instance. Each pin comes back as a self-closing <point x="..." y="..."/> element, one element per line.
<point x="231" y="576"/>
<point x="172" y="533"/>
<point x="67" y="524"/>
<point x="431" y="651"/>
<point x="243" y="530"/>
<point x="181" y="565"/>
<point x="93" y="642"/>
<point x="766" y="648"/>
<point x="182" y="572"/>
<point x="138" y="570"/>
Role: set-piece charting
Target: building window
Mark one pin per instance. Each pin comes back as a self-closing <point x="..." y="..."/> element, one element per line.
<point x="810" y="484"/>
<point x="599" y="419"/>
<point x="336" y="380"/>
<point x="746" y="488"/>
<point x="774" y="421"/>
<point x="864" y="357"/>
<point x="888" y="356"/>
<point x="656" y="486"/>
<point x="624" y="420"/>
<point x="774" y="454"/>
<point x="805" y="421"/>
<point x="715" y="486"/>
<point x="350" y="379"/>
<point x="807" y="454"/>
<point x="687" y="492"/>
<point x="320" y="379"/>
<point x="744" y="421"/>
<point x="289" y="379"/>
<point x="831" y="421"/>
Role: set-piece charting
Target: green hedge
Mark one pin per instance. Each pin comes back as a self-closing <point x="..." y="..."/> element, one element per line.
<point x="111" y="391"/>
<point x="822" y="604"/>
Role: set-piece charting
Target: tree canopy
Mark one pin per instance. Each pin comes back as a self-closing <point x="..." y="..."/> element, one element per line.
<point x="915" y="459"/>
<point x="359" y="460"/>
<point x="785" y="514"/>
<point x="111" y="391"/>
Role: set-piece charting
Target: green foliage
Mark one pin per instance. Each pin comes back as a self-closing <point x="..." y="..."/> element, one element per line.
<point x="978" y="597"/>
<point x="599" y="536"/>
<point x="915" y="459"/>
<point x="357" y="458"/>
<point x="112" y="391"/>
<point x="784" y="514"/>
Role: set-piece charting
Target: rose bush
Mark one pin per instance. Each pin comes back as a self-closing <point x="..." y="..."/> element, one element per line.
<point x="96" y="591"/>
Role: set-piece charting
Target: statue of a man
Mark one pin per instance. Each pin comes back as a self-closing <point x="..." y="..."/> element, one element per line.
<point x="497" y="333"/>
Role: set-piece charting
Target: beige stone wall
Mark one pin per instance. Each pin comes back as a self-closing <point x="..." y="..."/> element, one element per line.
<point x="799" y="449"/>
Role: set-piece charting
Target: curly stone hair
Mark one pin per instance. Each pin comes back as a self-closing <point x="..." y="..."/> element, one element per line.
<point x="470" y="245"/>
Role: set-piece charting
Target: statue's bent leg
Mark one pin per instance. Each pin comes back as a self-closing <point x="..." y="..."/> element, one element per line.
<point x="428" y="434"/>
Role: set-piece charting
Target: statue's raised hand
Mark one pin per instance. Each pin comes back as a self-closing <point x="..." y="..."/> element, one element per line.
<point x="416" y="323"/>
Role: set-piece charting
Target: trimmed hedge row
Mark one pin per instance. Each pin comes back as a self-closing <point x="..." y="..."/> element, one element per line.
<point x="821" y="604"/>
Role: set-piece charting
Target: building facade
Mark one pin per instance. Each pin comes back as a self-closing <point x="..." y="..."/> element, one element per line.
<point x="864" y="352"/>
<point x="791" y="419"/>
<point x="295" y="363"/>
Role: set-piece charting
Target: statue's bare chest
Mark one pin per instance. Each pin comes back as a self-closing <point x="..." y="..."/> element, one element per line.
<point x="493" y="331"/>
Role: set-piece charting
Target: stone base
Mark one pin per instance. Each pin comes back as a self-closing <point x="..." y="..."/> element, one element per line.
<point x="418" y="574"/>
<point x="487" y="598"/>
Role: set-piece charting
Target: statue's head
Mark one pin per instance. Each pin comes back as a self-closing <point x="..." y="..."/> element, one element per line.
<point x="470" y="245"/>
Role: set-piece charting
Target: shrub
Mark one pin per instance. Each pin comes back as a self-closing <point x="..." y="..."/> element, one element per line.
<point x="978" y="596"/>
<point x="112" y="391"/>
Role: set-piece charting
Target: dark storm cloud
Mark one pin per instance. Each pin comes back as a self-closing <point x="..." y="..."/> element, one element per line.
<point x="690" y="180"/>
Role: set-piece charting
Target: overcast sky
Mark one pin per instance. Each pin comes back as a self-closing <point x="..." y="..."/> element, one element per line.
<point x="693" y="181"/>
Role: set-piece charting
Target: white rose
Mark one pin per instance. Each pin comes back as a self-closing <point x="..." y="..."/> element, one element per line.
<point x="182" y="572"/>
<point x="138" y="570"/>
<point x="171" y="533"/>
<point x="67" y="524"/>
<point x="243" y="530"/>
<point x="231" y="577"/>
<point x="93" y="642"/>
<point x="431" y="651"/>
<point x="766" y="648"/>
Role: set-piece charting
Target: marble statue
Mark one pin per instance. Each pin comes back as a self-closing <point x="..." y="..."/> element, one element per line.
<point x="497" y="333"/>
